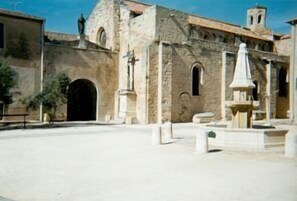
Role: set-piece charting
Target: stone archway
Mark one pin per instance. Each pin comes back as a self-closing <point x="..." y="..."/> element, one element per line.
<point x="82" y="101"/>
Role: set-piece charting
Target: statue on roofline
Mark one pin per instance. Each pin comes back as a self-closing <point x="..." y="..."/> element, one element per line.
<point x="81" y="24"/>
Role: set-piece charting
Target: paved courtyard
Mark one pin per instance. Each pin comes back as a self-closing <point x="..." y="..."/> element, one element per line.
<point x="118" y="163"/>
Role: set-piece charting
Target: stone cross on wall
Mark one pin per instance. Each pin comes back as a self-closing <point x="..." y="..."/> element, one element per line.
<point x="130" y="72"/>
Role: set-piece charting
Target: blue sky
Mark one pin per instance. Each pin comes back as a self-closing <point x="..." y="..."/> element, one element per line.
<point x="61" y="15"/>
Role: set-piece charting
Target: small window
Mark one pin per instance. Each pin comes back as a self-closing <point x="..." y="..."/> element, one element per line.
<point x="252" y="20"/>
<point x="101" y="37"/>
<point x="259" y="19"/>
<point x="1" y="35"/>
<point x="256" y="91"/>
<point x="282" y="83"/>
<point x="196" y="81"/>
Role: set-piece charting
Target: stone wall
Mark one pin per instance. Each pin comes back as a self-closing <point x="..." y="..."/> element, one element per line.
<point x="105" y="15"/>
<point x="141" y="34"/>
<point x="283" y="46"/>
<point x="23" y="47"/>
<point x="171" y="25"/>
<point x="175" y="68"/>
<point x="99" y="67"/>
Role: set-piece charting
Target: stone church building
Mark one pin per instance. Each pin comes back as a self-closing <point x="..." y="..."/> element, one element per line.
<point x="147" y="63"/>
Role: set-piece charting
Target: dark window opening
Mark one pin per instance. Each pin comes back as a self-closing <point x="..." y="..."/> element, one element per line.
<point x="282" y="83"/>
<point x="1" y="35"/>
<point x="195" y="81"/>
<point x="255" y="91"/>
<point x="259" y="19"/>
<point x="101" y="38"/>
<point x="252" y="20"/>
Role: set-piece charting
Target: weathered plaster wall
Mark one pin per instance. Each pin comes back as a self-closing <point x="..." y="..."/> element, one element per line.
<point x="99" y="67"/>
<point x="23" y="45"/>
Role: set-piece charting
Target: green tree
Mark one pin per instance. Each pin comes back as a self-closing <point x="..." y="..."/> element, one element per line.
<point x="7" y="81"/>
<point x="53" y="95"/>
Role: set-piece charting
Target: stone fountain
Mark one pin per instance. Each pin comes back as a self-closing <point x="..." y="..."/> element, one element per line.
<point x="241" y="135"/>
<point x="242" y="85"/>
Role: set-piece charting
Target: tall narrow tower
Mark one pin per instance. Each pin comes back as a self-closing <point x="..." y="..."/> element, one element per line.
<point x="256" y="18"/>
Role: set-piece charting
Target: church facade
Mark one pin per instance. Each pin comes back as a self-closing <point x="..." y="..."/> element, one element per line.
<point x="186" y="62"/>
<point x="147" y="64"/>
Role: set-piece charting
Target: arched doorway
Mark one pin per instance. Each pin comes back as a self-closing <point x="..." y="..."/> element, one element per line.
<point x="82" y="99"/>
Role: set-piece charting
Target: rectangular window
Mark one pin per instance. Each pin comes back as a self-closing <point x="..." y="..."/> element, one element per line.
<point x="1" y="35"/>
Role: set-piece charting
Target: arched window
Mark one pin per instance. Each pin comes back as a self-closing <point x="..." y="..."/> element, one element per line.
<point x="101" y="37"/>
<point x="256" y="91"/>
<point x="196" y="76"/>
<point x="282" y="83"/>
<point x="252" y="20"/>
<point x="259" y="19"/>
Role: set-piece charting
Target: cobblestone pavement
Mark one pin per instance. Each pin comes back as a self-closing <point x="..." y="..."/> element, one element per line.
<point x="117" y="163"/>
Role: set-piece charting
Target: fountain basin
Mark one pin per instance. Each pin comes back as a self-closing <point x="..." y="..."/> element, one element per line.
<point x="247" y="139"/>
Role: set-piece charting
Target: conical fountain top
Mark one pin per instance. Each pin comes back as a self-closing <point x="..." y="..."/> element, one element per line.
<point x="242" y="76"/>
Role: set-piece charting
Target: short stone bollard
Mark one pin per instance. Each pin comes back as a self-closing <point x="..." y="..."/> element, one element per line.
<point x="46" y="118"/>
<point x="156" y="135"/>
<point x="291" y="145"/>
<point x="168" y="134"/>
<point x="202" y="142"/>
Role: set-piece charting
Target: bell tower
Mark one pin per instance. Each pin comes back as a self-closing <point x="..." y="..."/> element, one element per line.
<point x="256" y="18"/>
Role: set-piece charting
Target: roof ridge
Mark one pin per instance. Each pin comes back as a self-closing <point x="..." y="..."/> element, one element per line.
<point x="137" y="2"/>
<point x="215" y="20"/>
<point x="20" y="14"/>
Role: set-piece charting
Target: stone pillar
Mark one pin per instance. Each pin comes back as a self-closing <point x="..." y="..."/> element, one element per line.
<point x="223" y="86"/>
<point x="82" y="41"/>
<point x="293" y="72"/>
<point x="291" y="144"/>
<point x="268" y="94"/>
<point x="202" y="142"/>
<point x="168" y="134"/>
<point x="128" y="105"/>
<point x="156" y="135"/>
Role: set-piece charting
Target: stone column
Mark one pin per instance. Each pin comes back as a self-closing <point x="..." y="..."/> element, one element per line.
<point x="223" y="86"/>
<point x="268" y="94"/>
<point x="293" y="72"/>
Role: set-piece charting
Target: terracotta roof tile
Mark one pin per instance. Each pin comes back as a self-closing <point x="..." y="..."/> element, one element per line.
<point x="20" y="15"/>
<point x="136" y="7"/>
<point x="217" y="25"/>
